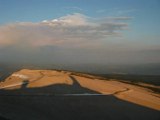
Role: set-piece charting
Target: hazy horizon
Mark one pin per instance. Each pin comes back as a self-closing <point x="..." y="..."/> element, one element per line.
<point x="58" y="32"/>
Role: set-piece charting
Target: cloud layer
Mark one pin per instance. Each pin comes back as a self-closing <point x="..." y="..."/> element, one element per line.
<point x="70" y="29"/>
<point x="73" y="39"/>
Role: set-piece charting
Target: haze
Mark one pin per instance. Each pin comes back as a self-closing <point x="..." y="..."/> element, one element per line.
<point x="106" y="32"/>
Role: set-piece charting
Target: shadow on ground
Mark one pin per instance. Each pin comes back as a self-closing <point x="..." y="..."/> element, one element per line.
<point x="46" y="103"/>
<point x="3" y="118"/>
<point x="55" y="89"/>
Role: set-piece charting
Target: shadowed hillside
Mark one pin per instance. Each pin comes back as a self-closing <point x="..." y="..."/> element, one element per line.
<point x="64" y="95"/>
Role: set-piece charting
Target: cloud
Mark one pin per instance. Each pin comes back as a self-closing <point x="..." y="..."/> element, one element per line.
<point x="70" y="29"/>
<point x="119" y="18"/>
<point x="69" y="20"/>
<point x="73" y="39"/>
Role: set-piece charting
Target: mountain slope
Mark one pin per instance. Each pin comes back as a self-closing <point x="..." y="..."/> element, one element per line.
<point x="51" y="85"/>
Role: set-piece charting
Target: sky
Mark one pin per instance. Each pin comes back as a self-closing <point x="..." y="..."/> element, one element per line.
<point x="80" y="31"/>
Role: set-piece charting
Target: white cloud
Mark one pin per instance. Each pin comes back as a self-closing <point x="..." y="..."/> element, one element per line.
<point x="69" y="20"/>
<point x="73" y="38"/>
<point x="70" y="29"/>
